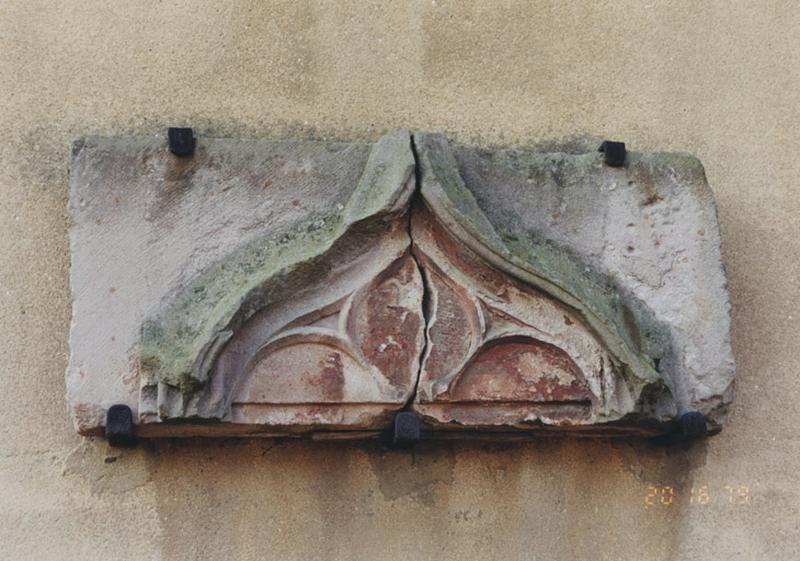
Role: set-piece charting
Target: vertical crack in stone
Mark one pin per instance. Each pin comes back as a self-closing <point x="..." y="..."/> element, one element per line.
<point x="422" y="272"/>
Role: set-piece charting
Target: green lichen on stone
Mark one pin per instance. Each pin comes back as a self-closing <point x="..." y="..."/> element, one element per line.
<point x="600" y="301"/>
<point x="179" y="345"/>
<point x="381" y="187"/>
<point x="174" y="344"/>
<point x="438" y="165"/>
<point x="622" y="324"/>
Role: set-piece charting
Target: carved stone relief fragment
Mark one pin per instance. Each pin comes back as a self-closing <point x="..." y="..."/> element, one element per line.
<point x="286" y="288"/>
<point x="501" y="353"/>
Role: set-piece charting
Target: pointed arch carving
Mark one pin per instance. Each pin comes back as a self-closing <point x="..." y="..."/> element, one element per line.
<point x="414" y="281"/>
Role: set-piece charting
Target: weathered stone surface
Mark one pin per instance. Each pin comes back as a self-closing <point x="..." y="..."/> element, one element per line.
<point x="278" y="288"/>
<point x="192" y="278"/>
<point x="501" y="353"/>
<point x="628" y="259"/>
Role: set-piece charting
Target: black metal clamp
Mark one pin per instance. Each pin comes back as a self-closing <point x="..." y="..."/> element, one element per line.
<point x="614" y="153"/>
<point x="119" y="426"/>
<point x="405" y="430"/>
<point x="181" y="141"/>
<point x="689" y="426"/>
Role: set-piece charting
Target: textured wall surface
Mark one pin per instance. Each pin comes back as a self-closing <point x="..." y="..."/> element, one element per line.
<point x="719" y="79"/>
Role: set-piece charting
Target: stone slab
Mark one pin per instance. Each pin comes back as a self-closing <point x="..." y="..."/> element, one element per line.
<point x="287" y="288"/>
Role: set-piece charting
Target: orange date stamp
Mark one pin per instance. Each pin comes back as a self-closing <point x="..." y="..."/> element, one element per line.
<point x="668" y="495"/>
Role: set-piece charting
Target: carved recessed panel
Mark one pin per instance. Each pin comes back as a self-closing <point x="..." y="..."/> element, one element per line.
<point x="494" y="342"/>
<point x="283" y="288"/>
<point x="338" y="366"/>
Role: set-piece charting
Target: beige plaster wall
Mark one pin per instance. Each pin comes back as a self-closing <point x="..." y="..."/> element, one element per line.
<point x="718" y="78"/>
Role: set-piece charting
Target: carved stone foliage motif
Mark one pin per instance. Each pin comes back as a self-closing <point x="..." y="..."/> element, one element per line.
<point x="280" y="288"/>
